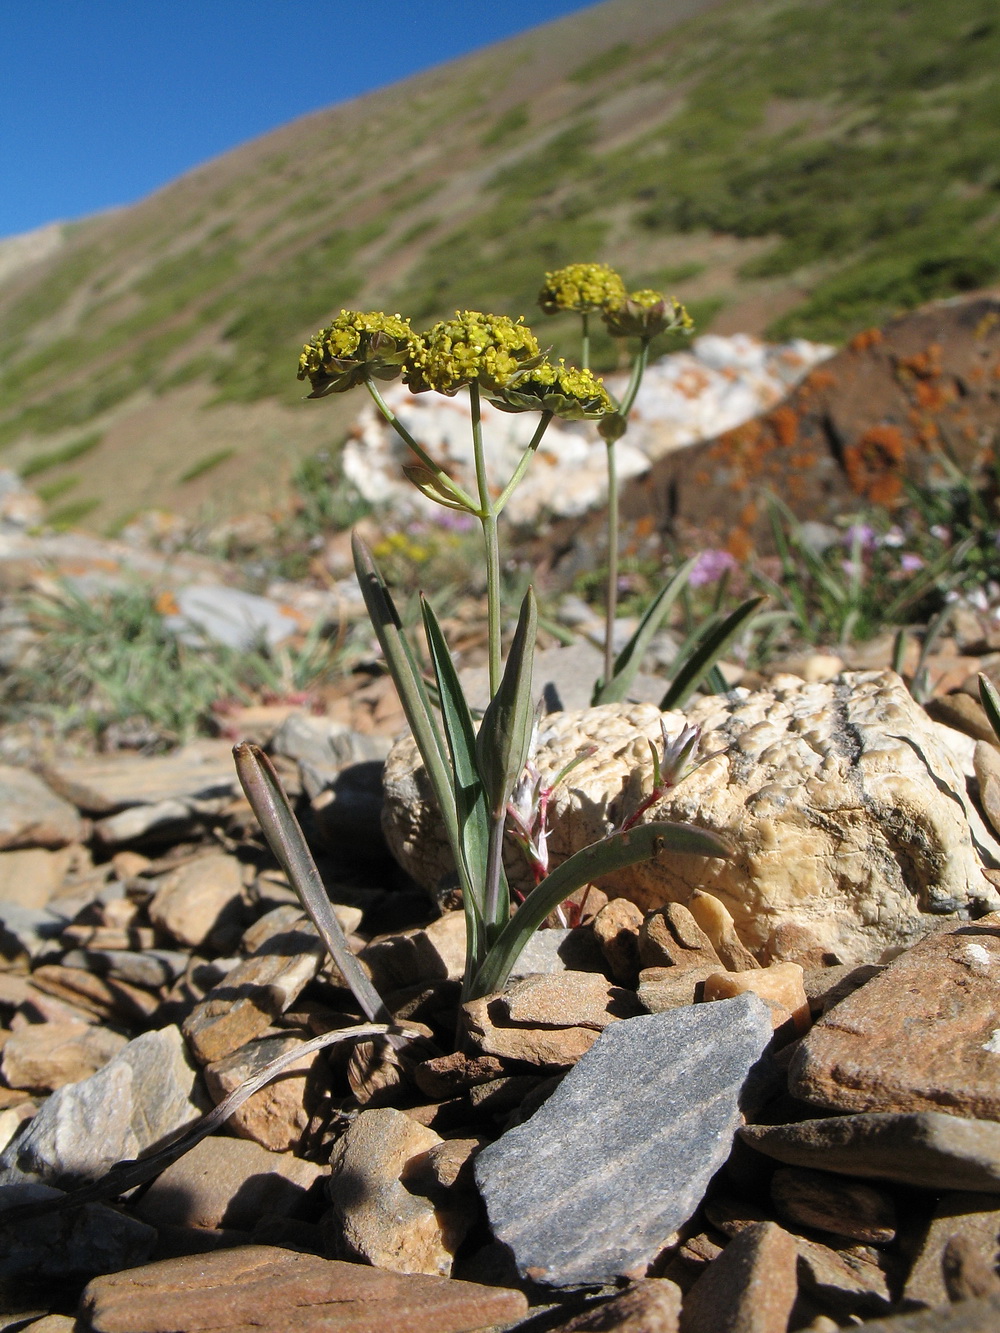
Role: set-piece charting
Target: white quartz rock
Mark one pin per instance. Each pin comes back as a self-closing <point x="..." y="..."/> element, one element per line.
<point x="848" y="818"/>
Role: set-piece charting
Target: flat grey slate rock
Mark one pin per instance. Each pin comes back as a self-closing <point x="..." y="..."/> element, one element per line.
<point x="924" y="1148"/>
<point x="621" y="1154"/>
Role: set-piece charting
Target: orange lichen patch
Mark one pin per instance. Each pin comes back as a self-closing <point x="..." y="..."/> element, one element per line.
<point x="748" y="515"/>
<point x="976" y="374"/>
<point x="644" y="526"/>
<point x="931" y="397"/>
<point x="165" y="604"/>
<point x="784" y="421"/>
<point x="805" y="458"/>
<point x="923" y="365"/>
<point x="820" y="379"/>
<point x="702" y="478"/>
<point x="866" y="339"/>
<point x="739" y="545"/>
<point x="874" y="462"/>
<point x="795" y="486"/>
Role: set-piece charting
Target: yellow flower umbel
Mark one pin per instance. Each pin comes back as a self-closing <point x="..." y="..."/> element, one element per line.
<point x="581" y="288"/>
<point x="355" y="347"/>
<point x="646" y="313"/>
<point x="574" y="395"/>
<point x="472" y="348"/>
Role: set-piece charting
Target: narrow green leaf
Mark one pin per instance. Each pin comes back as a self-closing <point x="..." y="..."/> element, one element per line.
<point x="412" y="692"/>
<point x="277" y="820"/>
<point x="470" y="801"/>
<point x="505" y="731"/>
<point x="641" y="843"/>
<point x="629" y="660"/>
<point x="707" y="653"/>
<point x="991" y="702"/>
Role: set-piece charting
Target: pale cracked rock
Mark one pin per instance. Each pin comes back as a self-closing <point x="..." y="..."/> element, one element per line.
<point x="593" y="1185"/>
<point x="847" y="815"/>
<point x="381" y="1210"/>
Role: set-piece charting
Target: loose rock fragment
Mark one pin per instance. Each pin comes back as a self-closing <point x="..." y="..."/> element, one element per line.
<point x="973" y="1218"/>
<point x="750" y="1288"/>
<point x="922" y="1035"/>
<point x="832" y="1203"/>
<point x="924" y="1148"/>
<point x="659" y="1097"/>
<point x="374" y="1216"/>
<point x="277" y="1291"/>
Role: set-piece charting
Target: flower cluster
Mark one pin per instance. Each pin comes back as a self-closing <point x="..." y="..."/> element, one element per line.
<point x="646" y="313"/>
<point x="574" y="395"/>
<point x="582" y="288"/>
<point x="353" y="347"/>
<point x="487" y="349"/>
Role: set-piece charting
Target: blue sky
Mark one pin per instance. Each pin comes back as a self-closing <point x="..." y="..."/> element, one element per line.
<point x="102" y="101"/>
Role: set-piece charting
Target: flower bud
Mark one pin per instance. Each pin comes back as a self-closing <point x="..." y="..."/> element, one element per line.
<point x="574" y="395"/>
<point x="355" y="347"/>
<point x="644" y="314"/>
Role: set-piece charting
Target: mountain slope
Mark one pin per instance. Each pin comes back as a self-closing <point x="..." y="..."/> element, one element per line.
<point x="808" y="165"/>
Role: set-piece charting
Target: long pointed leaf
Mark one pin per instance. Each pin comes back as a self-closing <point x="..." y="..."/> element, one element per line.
<point x="629" y="660"/>
<point x="991" y="702"/>
<point x="687" y="680"/>
<point x="616" y="852"/>
<point x="505" y="731"/>
<point x="412" y="693"/>
<point x="470" y="801"/>
<point x="274" y="814"/>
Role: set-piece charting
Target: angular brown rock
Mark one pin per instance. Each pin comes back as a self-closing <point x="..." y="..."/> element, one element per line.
<point x="750" y="1288"/>
<point x="269" y="1290"/>
<point x="922" y="1035"/>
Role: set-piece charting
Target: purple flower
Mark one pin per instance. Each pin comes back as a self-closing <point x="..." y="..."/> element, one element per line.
<point x="909" y="562"/>
<point x="710" y="567"/>
<point x="453" y="521"/>
<point x="862" y="535"/>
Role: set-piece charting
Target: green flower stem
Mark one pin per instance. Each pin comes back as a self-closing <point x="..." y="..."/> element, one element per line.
<point x="487" y="515"/>
<point x="447" y="482"/>
<point x="635" y="379"/>
<point x="584" y="341"/>
<point x="611" y="602"/>
<point x="496" y="912"/>
<point x="523" y="462"/>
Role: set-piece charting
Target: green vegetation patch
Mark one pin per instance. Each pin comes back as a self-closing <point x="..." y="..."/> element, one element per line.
<point x="604" y="63"/>
<point x="70" y="515"/>
<point x="206" y="464"/>
<point x="504" y="127"/>
<point x="66" y="454"/>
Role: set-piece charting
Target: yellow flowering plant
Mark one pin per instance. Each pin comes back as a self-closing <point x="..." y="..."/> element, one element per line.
<point x="473" y="770"/>
<point x="596" y="289"/>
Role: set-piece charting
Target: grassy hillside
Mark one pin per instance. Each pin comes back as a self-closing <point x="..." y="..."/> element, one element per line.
<point x="796" y="166"/>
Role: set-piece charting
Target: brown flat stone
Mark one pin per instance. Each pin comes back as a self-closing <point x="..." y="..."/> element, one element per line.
<point x="973" y="1217"/>
<point x="662" y="988"/>
<point x="982" y="1316"/>
<point x="671" y="937"/>
<point x="260" y="1289"/>
<point x="922" y="1035"/>
<point x="253" y="993"/>
<point x="651" y="1305"/>
<point x="750" y="1288"/>
<point x="106" y="783"/>
<point x="45" y="1056"/>
<point x="833" y="1203"/>
<point x="567" y="999"/>
<point x="616" y="929"/>
<point x="491" y="1032"/>
<point x="32" y="815"/>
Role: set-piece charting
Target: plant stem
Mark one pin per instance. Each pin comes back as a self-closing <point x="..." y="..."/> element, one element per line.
<point x="585" y="342"/>
<point x="495" y="917"/>
<point x="488" y="518"/>
<point x="611" y="603"/>
<point x="522" y="462"/>
<point x="611" y="600"/>
<point x="418" y="449"/>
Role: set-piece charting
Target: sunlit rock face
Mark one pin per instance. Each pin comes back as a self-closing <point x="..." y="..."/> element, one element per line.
<point x="685" y="397"/>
